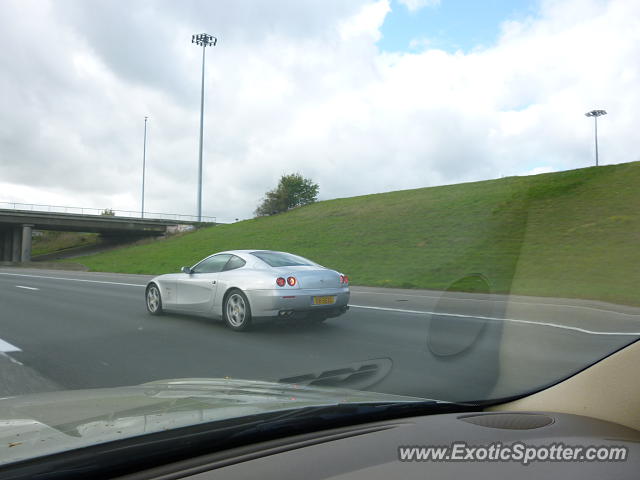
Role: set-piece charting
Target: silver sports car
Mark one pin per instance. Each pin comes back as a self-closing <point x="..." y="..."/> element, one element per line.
<point x="240" y="285"/>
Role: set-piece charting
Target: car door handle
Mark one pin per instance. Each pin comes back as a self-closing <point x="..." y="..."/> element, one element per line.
<point x="214" y="282"/>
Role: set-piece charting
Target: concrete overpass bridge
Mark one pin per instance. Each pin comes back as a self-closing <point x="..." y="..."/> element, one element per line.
<point x="16" y="228"/>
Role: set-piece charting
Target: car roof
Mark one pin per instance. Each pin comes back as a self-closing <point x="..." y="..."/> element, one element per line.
<point x="245" y="254"/>
<point x="248" y="251"/>
<point x="254" y="250"/>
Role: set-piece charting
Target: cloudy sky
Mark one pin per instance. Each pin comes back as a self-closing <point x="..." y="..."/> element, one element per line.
<point x="363" y="96"/>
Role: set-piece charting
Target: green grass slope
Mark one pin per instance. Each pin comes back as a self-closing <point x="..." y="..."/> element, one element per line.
<point x="50" y="242"/>
<point x="567" y="234"/>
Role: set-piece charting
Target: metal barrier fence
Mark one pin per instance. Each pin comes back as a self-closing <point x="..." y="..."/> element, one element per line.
<point x="105" y="212"/>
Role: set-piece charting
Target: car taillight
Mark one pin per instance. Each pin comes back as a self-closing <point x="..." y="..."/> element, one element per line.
<point x="291" y="281"/>
<point x="344" y="279"/>
<point x="280" y="281"/>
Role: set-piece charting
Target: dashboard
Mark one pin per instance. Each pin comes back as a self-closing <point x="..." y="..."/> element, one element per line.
<point x="371" y="451"/>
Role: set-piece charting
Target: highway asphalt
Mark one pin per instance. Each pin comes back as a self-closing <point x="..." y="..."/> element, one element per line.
<point x="75" y="330"/>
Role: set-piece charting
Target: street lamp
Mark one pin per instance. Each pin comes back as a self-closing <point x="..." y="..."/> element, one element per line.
<point x="595" y="114"/>
<point x="202" y="40"/>
<point x="144" y="161"/>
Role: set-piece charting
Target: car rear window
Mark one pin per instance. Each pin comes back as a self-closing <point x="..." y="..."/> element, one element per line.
<point x="279" y="259"/>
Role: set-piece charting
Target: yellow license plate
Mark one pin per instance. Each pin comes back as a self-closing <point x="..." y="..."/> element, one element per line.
<point x="324" y="300"/>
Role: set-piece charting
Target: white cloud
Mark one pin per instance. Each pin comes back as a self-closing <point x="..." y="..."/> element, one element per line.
<point x="366" y="23"/>
<point x="298" y="89"/>
<point x="415" y="5"/>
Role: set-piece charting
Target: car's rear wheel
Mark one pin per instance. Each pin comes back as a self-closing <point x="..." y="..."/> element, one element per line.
<point x="237" y="311"/>
<point x="153" y="300"/>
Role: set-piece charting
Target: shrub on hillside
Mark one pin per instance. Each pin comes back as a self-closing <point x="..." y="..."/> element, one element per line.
<point x="292" y="191"/>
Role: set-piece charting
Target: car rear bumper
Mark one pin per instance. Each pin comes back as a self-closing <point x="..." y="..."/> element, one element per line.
<point x="297" y="302"/>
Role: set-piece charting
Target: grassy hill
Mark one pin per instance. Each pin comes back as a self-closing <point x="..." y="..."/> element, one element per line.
<point x="568" y="234"/>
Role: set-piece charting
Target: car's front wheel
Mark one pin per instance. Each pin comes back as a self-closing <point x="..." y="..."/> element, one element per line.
<point x="153" y="300"/>
<point x="237" y="312"/>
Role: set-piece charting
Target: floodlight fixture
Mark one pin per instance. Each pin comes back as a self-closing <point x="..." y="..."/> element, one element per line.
<point x="204" y="40"/>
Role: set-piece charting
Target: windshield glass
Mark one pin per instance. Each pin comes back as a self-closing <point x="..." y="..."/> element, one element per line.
<point x="382" y="200"/>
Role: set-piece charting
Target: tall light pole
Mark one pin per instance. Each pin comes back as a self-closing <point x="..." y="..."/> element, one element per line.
<point x="144" y="161"/>
<point x="203" y="40"/>
<point x="595" y="114"/>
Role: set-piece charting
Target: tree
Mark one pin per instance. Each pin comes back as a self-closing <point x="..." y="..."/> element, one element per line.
<point x="292" y="191"/>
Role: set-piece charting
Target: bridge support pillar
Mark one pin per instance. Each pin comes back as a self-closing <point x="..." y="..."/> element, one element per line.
<point x="25" y="254"/>
<point x="16" y="244"/>
<point x="5" y="245"/>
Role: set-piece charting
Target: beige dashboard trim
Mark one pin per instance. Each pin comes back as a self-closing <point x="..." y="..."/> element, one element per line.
<point x="608" y="390"/>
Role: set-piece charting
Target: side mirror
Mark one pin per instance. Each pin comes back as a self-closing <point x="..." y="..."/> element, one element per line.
<point x="186" y="270"/>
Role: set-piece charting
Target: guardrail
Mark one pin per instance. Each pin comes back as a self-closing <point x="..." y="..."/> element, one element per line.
<point x="104" y="212"/>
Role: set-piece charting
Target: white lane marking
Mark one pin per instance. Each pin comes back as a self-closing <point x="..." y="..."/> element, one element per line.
<point x="513" y="320"/>
<point x="415" y="295"/>
<point x="514" y="302"/>
<point x="27" y="288"/>
<point x="7" y="347"/>
<point x="73" y="279"/>
<point x="388" y="309"/>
